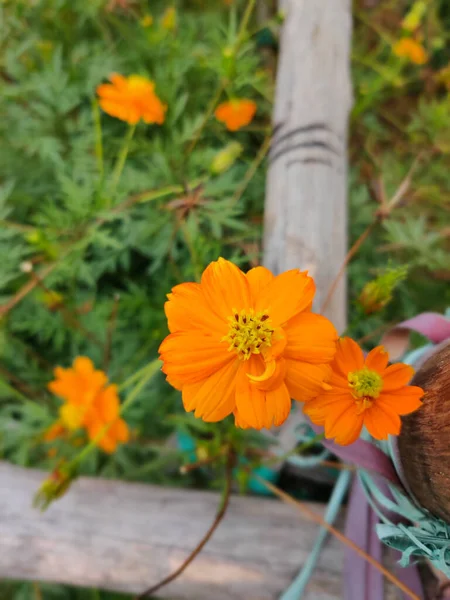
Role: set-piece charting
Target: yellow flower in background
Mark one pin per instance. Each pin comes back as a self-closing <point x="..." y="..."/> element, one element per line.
<point x="412" y="50"/>
<point x="146" y="21"/>
<point x="169" y="19"/>
<point x="236" y="113"/>
<point x="131" y="99"/>
<point x="89" y="403"/>
<point x="245" y="344"/>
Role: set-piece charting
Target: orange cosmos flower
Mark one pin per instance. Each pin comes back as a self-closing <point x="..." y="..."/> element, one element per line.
<point x="89" y="403"/>
<point x="412" y="50"/>
<point x="246" y="344"/>
<point x="131" y="99"/>
<point x="236" y="113"/>
<point x="364" y="392"/>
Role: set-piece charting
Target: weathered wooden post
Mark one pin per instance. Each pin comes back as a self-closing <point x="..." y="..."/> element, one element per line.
<point x="306" y="197"/>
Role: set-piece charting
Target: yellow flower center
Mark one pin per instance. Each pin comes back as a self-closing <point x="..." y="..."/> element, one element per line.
<point x="366" y="386"/>
<point x="249" y="333"/>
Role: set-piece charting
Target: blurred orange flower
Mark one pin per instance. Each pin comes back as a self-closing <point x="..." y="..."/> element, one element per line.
<point x="89" y="403"/>
<point x="131" y="99"/>
<point x="364" y="392"/>
<point x="246" y="344"/>
<point x="236" y="113"/>
<point x="412" y="50"/>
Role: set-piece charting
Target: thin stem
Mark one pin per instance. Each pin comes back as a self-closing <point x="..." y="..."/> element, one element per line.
<point x="279" y="458"/>
<point x="192" y="251"/>
<point x="207" y="115"/>
<point x="25" y="290"/>
<point x="350" y="254"/>
<point x="148" y="373"/>
<point x="69" y="317"/>
<point x="184" y="469"/>
<point x="20" y="387"/>
<point x="218" y="518"/>
<point x="137" y="375"/>
<point x="243" y="28"/>
<point x="109" y="333"/>
<point x="313" y="516"/>
<point x="121" y="158"/>
<point x="98" y="138"/>
<point x="37" y="591"/>
<point x="223" y="83"/>
<point x="252" y="169"/>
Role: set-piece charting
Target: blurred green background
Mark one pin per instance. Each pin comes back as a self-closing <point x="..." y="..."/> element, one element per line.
<point x="113" y="258"/>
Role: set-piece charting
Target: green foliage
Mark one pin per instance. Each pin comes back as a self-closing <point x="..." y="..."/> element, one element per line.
<point x="401" y="119"/>
<point x="107" y="255"/>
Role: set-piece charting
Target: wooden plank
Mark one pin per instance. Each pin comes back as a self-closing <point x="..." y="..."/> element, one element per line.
<point x="125" y="537"/>
<point x="306" y="197"/>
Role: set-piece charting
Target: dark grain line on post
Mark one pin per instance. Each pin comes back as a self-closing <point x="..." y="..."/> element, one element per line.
<point x="313" y="144"/>
<point x="320" y="161"/>
<point x="302" y="129"/>
<point x="276" y="128"/>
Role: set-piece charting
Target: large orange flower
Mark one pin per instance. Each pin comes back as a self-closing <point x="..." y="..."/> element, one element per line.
<point x="131" y="99"/>
<point x="89" y="403"/>
<point x="246" y="344"/>
<point x="364" y="392"/>
<point x="236" y="113"/>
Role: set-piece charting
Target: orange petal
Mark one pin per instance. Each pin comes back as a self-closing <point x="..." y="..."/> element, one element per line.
<point x="349" y="356"/>
<point x="377" y="359"/>
<point x="250" y="401"/>
<point x="403" y="401"/>
<point x="225" y="288"/>
<point x="396" y="376"/>
<point x="310" y="338"/>
<point x="119" y="430"/>
<point x="278" y="405"/>
<point x="83" y="365"/>
<point x="108" y="444"/>
<point x="239" y="422"/>
<point x="118" y="81"/>
<point x="348" y="429"/>
<point x="178" y="385"/>
<point x="213" y="399"/>
<point x="381" y="421"/>
<point x="287" y="295"/>
<point x="107" y="403"/>
<point x="304" y="381"/>
<point x="272" y="376"/>
<point x="342" y="420"/>
<point x="191" y="357"/>
<point x="338" y="382"/>
<point x="187" y="309"/>
<point x="259" y="278"/>
<point x="319" y="407"/>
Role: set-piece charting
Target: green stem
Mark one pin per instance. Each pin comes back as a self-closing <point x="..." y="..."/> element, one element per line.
<point x="243" y="27"/>
<point x="223" y="83"/>
<point x="252" y="170"/>
<point x="190" y="245"/>
<point x="122" y="157"/>
<point x="208" y="113"/>
<point x="147" y="373"/>
<point x="98" y="138"/>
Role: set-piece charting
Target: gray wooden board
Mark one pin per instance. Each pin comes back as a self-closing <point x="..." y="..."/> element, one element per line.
<point x="126" y="536"/>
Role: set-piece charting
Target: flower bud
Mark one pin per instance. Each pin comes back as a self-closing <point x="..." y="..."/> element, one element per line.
<point x="169" y="19"/>
<point x="54" y="487"/>
<point x="225" y="158"/>
<point x="376" y="294"/>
